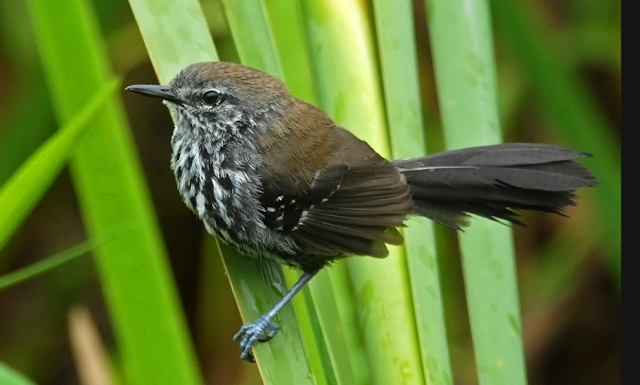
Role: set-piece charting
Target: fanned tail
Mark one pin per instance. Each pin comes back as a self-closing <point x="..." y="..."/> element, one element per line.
<point x="492" y="181"/>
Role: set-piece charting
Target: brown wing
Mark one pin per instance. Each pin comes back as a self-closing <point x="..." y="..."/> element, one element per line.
<point x="361" y="215"/>
<point x="332" y="194"/>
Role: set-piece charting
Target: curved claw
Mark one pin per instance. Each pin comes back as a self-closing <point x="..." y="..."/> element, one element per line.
<point x="261" y="330"/>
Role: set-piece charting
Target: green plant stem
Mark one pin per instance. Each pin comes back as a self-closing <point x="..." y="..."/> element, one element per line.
<point x="466" y="79"/>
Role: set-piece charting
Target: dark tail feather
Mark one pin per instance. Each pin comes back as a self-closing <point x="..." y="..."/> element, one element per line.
<point x="492" y="180"/>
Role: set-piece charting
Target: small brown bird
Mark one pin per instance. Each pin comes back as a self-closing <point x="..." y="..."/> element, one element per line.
<point x="277" y="178"/>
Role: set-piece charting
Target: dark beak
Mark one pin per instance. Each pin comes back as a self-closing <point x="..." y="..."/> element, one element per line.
<point x="155" y="91"/>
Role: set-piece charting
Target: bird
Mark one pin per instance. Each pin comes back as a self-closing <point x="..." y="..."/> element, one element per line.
<point x="278" y="179"/>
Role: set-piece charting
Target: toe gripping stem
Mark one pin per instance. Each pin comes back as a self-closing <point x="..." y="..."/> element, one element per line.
<point x="263" y="329"/>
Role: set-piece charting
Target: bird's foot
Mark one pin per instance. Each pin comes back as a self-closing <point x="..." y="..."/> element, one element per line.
<point x="261" y="330"/>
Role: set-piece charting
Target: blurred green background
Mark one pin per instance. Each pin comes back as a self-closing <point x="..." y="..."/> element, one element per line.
<point x="569" y="270"/>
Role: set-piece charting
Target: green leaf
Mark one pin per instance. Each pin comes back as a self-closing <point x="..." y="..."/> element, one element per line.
<point x="9" y="376"/>
<point x="462" y="44"/>
<point x="399" y="66"/>
<point x="349" y="92"/>
<point x="48" y="264"/>
<point x="152" y="340"/>
<point x="24" y="190"/>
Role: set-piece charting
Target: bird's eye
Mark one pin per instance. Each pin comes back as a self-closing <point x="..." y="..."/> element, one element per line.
<point x="212" y="98"/>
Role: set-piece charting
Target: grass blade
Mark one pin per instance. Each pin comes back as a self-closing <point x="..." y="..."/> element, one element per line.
<point x="338" y="365"/>
<point x="151" y="334"/>
<point x="170" y="51"/>
<point x="24" y="190"/>
<point x="9" y="376"/>
<point x="465" y="73"/>
<point x="41" y="267"/>
<point x="250" y="27"/>
<point x="351" y="96"/>
<point x="397" y="47"/>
